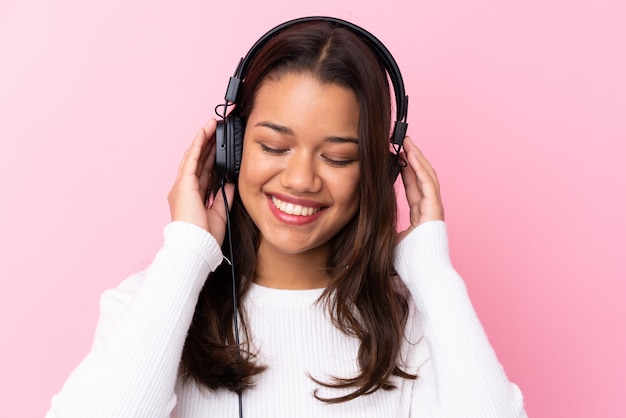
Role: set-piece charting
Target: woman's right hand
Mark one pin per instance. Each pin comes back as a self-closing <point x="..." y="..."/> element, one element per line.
<point x="186" y="198"/>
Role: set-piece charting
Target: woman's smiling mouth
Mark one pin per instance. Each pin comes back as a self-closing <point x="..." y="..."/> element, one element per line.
<point x="293" y="209"/>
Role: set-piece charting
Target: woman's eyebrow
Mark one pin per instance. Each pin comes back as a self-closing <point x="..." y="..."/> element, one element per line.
<point x="278" y="128"/>
<point x="342" y="139"/>
<point x="288" y="131"/>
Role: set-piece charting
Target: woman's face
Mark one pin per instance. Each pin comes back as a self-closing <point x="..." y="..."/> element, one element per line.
<point x="299" y="175"/>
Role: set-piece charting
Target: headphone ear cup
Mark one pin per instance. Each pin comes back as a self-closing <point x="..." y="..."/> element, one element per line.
<point x="395" y="166"/>
<point x="221" y="153"/>
<point x="228" y="148"/>
<point x="237" y="130"/>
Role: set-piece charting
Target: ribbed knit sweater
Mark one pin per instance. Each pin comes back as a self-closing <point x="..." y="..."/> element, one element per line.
<point x="132" y="369"/>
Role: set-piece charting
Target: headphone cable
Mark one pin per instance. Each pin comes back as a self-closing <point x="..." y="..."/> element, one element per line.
<point x="234" y="289"/>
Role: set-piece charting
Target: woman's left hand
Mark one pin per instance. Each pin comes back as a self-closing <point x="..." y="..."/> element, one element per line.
<point x="421" y="187"/>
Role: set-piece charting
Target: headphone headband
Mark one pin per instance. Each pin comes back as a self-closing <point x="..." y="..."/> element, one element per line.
<point x="402" y="100"/>
<point x="230" y="131"/>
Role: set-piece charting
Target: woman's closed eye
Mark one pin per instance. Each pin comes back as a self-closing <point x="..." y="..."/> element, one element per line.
<point x="335" y="161"/>
<point x="338" y="162"/>
<point x="273" y="151"/>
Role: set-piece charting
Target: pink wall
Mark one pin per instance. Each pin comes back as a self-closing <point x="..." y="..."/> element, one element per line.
<point x="521" y="107"/>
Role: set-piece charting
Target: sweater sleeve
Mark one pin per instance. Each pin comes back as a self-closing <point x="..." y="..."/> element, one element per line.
<point x="132" y="368"/>
<point x="463" y="375"/>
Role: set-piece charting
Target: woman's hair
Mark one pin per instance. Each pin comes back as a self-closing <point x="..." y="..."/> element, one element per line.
<point x="363" y="298"/>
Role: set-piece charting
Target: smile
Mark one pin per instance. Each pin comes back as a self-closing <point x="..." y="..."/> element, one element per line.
<point x="292" y="209"/>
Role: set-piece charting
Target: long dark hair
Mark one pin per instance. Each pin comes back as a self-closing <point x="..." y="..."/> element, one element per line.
<point x="362" y="298"/>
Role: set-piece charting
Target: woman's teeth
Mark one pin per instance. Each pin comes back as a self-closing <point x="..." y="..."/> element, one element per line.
<point x="291" y="209"/>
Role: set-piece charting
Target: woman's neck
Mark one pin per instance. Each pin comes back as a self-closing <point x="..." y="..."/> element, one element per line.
<point x="291" y="271"/>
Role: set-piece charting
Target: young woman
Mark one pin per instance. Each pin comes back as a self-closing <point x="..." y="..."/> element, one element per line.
<point x="339" y="315"/>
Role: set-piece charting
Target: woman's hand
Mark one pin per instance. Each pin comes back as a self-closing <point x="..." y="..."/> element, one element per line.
<point x="421" y="187"/>
<point x="186" y="198"/>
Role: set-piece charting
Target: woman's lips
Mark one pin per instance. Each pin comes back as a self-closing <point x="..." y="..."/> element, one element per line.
<point x="294" y="208"/>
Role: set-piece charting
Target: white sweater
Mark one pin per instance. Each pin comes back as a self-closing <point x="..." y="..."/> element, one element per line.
<point x="132" y="368"/>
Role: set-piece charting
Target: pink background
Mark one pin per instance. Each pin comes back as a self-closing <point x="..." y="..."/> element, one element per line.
<point x="521" y="107"/>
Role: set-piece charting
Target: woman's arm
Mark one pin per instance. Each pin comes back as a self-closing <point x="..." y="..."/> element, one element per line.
<point x="132" y="368"/>
<point x="463" y="377"/>
<point x="133" y="365"/>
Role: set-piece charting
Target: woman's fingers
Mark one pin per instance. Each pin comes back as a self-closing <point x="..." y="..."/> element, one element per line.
<point x="216" y="213"/>
<point x="422" y="186"/>
<point x="208" y="147"/>
<point x="411" y="184"/>
<point x="205" y="167"/>
<point x="196" y="155"/>
<point x="218" y="208"/>
<point x="187" y="196"/>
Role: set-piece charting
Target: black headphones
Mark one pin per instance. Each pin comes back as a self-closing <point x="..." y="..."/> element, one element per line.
<point x="229" y="131"/>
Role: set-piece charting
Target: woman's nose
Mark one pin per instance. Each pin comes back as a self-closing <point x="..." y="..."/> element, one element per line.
<point x="300" y="174"/>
